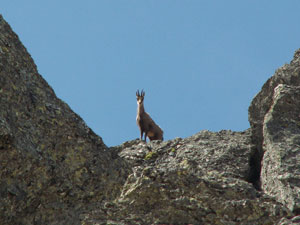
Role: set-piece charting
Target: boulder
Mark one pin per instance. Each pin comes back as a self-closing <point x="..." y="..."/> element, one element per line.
<point x="274" y="119"/>
<point x="280" y="174"/>
<point x="288" y="74"/>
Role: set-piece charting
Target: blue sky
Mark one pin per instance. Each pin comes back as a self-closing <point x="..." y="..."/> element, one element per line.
<point x="199" y="62"/>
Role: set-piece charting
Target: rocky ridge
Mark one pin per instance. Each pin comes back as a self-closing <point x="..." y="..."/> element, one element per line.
<point x="52" y="165"/>
<point x="56" y="170"/>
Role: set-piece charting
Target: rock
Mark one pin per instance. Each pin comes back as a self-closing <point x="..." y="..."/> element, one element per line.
<point x="280" y="174"/>
<point x="293" y="221"/>
<point x="274" y="119"/>
<point x="288" y="74"/>
<point x="198" y="180"/>
<point x="212" y="151"/>
<point x="52" y="165"/>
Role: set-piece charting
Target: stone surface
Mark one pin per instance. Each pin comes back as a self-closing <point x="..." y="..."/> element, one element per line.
<point x="292" y="221"/>
<point x="274" y="119"/>
<point x="288" y="74"/>
<point x="51" y="164"/>
<point x="280" y="174"/>
<point x="197" y="180"/>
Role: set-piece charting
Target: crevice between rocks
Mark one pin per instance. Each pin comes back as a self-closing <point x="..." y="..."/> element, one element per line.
<point x="255" y="161"/>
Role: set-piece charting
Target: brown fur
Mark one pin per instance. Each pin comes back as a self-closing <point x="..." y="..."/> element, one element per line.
<point x="145" y="122"/>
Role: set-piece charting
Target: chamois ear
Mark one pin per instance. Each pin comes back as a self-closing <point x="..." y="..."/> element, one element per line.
<point x="142" y="93"/>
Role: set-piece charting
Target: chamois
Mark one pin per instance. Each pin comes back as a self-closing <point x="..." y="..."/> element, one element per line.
<point x="144" y="121"/>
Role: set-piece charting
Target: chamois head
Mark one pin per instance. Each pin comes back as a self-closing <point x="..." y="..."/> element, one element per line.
<point x="140" y="96"/>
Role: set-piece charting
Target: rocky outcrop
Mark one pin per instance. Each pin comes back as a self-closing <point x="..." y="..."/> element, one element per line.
<point x="56" y="170"/>
<point x="274" y="116"/>
<point x="52" y="166"/>
<point x="197" y="180"/>
<point x="280" y="174"/>
<point x="261" y="104"/>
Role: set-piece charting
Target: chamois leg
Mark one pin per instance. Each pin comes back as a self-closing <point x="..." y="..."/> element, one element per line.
<point x="145" y="137"/>
<point x="141" y="135"/>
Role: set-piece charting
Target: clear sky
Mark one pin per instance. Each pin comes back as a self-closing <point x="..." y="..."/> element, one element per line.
<point x="199" y="62"/>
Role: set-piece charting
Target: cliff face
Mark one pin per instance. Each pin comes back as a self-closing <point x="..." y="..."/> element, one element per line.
<point x="51" y="163"/>
<point x="274" y="115"/>
<point x="55" y="170"/>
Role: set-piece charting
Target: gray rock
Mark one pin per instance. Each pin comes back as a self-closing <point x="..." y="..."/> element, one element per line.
<point x="280" y="174"/>
<point x="197" y="180"/>
<point x="288" y="74"/>
<point x="52" y="165"/>
<point x="292" y="221"/>
<point x="274" y="119"/>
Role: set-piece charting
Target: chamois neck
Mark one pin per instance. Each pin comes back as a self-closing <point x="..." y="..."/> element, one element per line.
<point x="141" y="108"/>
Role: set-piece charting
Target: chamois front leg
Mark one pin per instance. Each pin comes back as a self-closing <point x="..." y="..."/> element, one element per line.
<point x="141" y="136"/>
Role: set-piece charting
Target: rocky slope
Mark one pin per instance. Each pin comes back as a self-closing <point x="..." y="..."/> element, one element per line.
<point x="55" y="170"/>
<point x="51" y="164"/>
